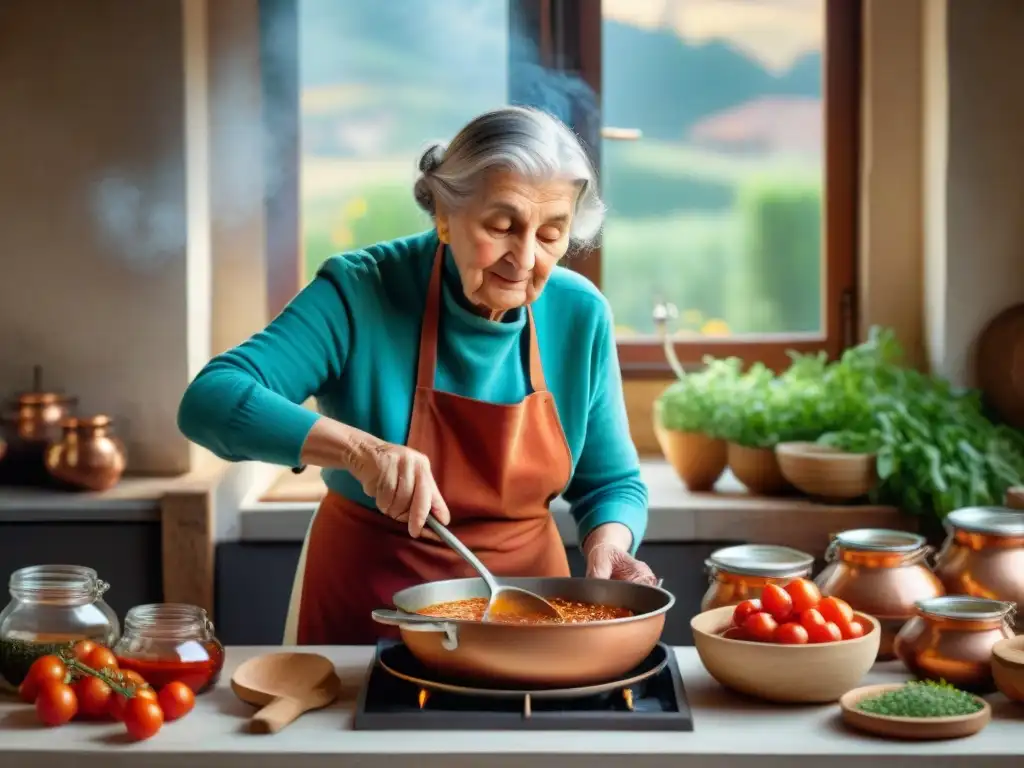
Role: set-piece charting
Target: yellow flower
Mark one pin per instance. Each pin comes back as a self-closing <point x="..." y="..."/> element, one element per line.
<point x="624" y="330"/>
<point x="715" y="327"/>
<point x="356" y="208"/>
<point x="341" y="236"/>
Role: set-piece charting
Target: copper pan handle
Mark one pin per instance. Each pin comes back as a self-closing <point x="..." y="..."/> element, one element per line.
<point x="415" y="623"/>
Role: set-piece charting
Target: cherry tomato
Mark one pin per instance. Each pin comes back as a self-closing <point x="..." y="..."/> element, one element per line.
<point x="804" y="593"/>
<point x="93" y="696"/>
<point x="824" y="633"/>
<point x="790" y="633"/>
<point x="850" y="629"/>
<point x="777" y="602"/>
<point x="760" y="627"/>
<point x="119" y="703"/>
<point x="101" y="658"/>
<point x="83" y="648"/>
<point x="44" y="670"/>
<point x="835" y="610"/>
<point x="811" y="617"/>
<point x="143" y="717"/>
<point x="56" y="704"/>
<point x="734" y="633"/>
<point x="745" y="609"/>
<point x="176" y="700"/>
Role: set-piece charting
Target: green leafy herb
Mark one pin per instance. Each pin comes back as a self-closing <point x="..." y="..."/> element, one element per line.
<point x="925" y="698"/>
<point x="700" y="401"/>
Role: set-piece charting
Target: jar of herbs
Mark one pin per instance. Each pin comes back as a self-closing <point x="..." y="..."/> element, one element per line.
<point x="51" y="608"/>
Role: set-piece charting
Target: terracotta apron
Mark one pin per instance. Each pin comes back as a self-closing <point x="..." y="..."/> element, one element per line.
<point x="497" y="466"/>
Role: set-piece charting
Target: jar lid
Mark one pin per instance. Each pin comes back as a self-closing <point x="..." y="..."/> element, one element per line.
<point x="767" y="560"/>
<point x="994" y="521"/>
<point x="879" y="540"/>
<point x="965" y="607"/>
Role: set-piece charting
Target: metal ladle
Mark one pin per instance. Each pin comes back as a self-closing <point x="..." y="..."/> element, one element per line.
<point x="504" y="600"/>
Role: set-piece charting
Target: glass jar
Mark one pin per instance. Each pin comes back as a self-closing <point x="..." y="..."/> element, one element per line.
<point x="740" y="573"/>
<point x="882" y="573"/>
<point x="951" y="639"/>
<point x="165" y="642"/>
<point x="51" y="607"/>
<point x="983" y="555"/>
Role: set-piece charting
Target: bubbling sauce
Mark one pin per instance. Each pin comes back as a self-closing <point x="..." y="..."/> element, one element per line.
<point x="573" y="612"/>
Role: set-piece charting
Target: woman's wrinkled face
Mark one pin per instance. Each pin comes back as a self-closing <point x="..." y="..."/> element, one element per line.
<point x="506" y="242"/>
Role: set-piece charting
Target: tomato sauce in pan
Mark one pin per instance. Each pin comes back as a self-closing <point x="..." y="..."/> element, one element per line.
<point x="573" y="612"/>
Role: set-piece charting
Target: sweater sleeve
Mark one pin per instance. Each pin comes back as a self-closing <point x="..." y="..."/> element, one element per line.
<point x="246" y="404"/>
<point x="606" y="486"/>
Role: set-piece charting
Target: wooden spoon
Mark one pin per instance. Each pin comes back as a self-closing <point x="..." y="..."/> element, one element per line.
<point x="284" y="685"/>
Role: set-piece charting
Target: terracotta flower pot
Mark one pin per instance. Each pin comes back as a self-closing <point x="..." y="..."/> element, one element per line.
<point x="758" y="469"/>
<point x="825" y="472"/>
<point x="699" y="460"/>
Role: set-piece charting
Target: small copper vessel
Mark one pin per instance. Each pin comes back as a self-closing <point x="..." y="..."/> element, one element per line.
<point x="882" y="573"/>
<point x="983" y="555"/>
<point x="740" y="573"/>
<point x="951" y="639"/>
<point x="37" y="415"/>
<point x="88" y="456"/>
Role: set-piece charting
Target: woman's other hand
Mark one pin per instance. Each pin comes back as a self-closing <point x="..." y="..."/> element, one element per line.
<point x="400" y="481"/>
<point x="607" y="552"/>
<point x="397" y="478"/>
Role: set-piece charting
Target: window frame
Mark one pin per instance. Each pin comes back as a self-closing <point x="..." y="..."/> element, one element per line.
<point x="569" y="32"/>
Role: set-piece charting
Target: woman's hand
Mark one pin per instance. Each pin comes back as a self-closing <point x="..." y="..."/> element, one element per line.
<point x="607" y="552"/>
<point x="397" y="478"/>
<point x="400" y="481"/>
<point x="607" y="561"/>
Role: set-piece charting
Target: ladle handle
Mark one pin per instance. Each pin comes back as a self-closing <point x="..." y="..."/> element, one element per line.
<point x="465" y="553"/>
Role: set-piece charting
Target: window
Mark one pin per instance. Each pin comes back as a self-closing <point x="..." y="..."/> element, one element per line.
<point x="726" y="132"/>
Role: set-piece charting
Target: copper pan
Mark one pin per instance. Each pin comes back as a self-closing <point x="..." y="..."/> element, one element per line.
<point x="542" y="655"/>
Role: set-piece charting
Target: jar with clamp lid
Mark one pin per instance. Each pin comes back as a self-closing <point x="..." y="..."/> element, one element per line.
<point x="51" y="608"/>
<point x="740" y="573"/>
<point x="880" y="572"/>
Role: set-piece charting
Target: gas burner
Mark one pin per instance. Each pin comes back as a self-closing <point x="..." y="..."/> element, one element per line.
<point x="401" y="694"/>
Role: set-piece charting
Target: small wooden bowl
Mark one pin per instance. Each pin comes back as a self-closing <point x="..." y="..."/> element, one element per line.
<point x="910" y="728"/>
<point x="827" y="472"/>
<point x="699" y="460"/>
<point x="758" y="469"/>
<point x="1008" y="667"/>
<point x="795" y="674"/>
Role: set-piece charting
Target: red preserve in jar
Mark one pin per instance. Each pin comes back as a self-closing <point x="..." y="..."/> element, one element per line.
<point x="168" y="642"/>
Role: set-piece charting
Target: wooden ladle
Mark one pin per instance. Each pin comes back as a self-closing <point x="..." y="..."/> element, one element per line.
<point x="285" y="685"/>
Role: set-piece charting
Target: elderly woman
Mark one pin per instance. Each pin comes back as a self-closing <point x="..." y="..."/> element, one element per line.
<point x="459" y="373"/>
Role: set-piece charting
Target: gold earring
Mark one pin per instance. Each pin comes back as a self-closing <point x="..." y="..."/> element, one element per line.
<point x="442" y="235"/>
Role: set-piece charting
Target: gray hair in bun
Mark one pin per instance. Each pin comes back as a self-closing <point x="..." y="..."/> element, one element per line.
<point x="523" y="140"/>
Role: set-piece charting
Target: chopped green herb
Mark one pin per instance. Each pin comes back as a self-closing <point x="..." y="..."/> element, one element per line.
<point x="925" y="698"/>
<point x="16" y="656"/>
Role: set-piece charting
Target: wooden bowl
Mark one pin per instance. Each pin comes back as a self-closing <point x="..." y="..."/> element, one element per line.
<point x="1008" y="667"/>
<point x="699" y="460"/>
<point x="917" y="728"/>
<point x="827" y="472"/>
<point x="818" y="673"/>
<point x="758" y="469"/>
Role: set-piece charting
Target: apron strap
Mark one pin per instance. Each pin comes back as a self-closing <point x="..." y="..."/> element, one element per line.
<point x="427" y="365"/>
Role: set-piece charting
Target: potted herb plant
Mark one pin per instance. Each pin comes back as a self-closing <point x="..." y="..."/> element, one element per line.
<point x="687" y="417"/>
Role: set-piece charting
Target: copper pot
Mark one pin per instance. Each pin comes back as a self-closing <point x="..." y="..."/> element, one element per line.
<point x="882" y="573"/>
<point x="983" y="555"/>
<point x="37" y="415"/>
<point x="740" y="573"/>
<point x="87" y="456"/>
<point x="951" y="639"/>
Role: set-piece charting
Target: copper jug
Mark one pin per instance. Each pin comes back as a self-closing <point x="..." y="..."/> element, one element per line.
<point x="37" y="415"/>
<point x="740" y="573"/>
<point x="882" y="573"/>
<point x="951" y="639"/>
<point x="983" y="555"/>
<point x="88" y="456"/>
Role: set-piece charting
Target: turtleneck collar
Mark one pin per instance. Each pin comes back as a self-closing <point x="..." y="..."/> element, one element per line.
<point x="457" y="306"/>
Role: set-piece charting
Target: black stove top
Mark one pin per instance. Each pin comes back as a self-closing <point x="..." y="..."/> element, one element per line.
<point x="388" y="702"/>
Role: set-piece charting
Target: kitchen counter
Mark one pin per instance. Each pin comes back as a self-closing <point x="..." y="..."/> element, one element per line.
<point x="730" y="732"/>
